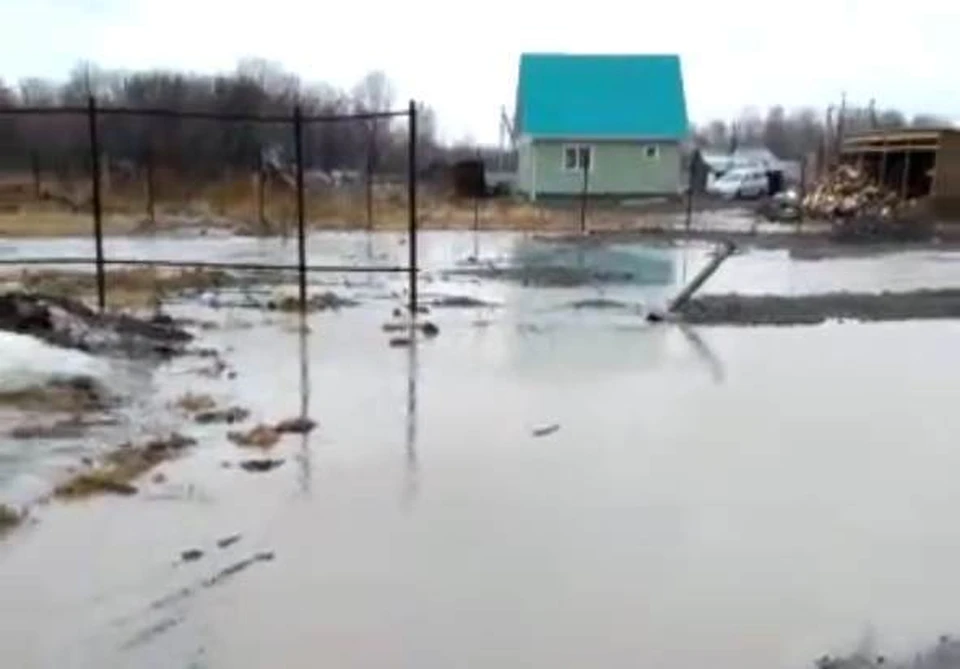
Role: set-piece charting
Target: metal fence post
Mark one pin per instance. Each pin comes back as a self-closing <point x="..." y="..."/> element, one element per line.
<point x="151" y="204"/>
<point x="412" y="207"/>
<point x="97" y="213"/>
<point x="585" y="189"/>
<point x="691" y="174"/>
<point x="301" y="216"/>
<point x="35" y="168"/>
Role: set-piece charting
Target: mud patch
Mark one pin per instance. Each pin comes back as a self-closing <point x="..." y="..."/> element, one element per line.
<point x="813" y="309"/>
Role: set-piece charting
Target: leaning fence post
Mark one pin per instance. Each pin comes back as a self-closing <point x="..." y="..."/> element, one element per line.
<point x="301" y="219"/>
<point x="412" y="207"/>
<point x="97" y="213"/>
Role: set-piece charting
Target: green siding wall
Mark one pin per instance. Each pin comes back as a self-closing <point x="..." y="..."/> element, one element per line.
<point x="620" y="168"/>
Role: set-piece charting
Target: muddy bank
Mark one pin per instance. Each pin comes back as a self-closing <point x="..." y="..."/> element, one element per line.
<point x="810" y="244"/>
<point x="812" y="309"/>
<point x="69" y="323"/>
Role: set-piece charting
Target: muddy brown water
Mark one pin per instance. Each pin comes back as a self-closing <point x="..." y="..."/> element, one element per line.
<point x="728" y="496"/>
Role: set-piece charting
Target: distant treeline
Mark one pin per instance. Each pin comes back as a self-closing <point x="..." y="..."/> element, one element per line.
<point x="800" y="132"/>
<point x="207" y="146"/>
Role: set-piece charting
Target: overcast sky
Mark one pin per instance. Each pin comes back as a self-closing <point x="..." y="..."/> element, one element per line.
<point x="461" y="57"/>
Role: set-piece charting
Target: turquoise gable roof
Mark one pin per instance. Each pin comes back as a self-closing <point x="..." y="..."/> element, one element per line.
<point x="566" y="95"/>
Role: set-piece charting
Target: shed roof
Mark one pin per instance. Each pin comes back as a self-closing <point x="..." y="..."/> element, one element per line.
<point x="601" y="96"/>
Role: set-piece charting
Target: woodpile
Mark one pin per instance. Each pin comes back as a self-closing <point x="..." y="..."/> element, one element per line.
<point x="848" y="192"/>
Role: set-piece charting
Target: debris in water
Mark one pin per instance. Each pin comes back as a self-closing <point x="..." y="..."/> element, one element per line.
<point x="61" y="429"/>
<point x="229" y="416"/>
<point x="261" y="436"/>
<point x="300" y="425"/>
<point x="149" y="633"/>
<point x="192" y="403"/>
<point x="226" y="542"/>
<point x="460" y="301"/>
<point x="430" y="329"/>
<point x="317" y="302"/>
<point x="546" y="430"/>
<point x="9" y="518"/>
<point x="599" y="303"/>
<point x="191" y="555"/>
<point x="260" y="466"/>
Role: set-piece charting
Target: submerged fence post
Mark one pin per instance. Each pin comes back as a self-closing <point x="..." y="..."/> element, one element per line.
<point x="412" y="208"/>
<point x="97" y="213"/>
<point x="261" y="192"/>
<point x="585" y="190"/>
<point x="151" y="204"/>
<point x="301" y="217"/>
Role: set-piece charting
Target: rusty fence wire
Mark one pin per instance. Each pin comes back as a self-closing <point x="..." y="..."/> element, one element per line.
<point x="271" y="173"/>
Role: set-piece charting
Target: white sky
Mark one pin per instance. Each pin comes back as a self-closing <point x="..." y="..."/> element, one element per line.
<point x="461" y="57"/>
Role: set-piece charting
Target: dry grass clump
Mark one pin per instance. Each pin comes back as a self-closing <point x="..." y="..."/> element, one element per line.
<point x="119" y="468"/>
<point x="74" y="396"/>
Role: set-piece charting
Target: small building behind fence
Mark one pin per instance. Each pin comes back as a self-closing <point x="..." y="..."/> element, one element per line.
<point x="914" y="163"/>
<point x="603" y="125"/>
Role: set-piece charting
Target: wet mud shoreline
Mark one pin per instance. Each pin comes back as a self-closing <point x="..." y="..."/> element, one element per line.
<point x="735" y="309"/>
<point x="810" y="244"/>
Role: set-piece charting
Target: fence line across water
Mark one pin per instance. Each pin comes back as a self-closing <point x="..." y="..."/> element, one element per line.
<point x="297" y="120"/>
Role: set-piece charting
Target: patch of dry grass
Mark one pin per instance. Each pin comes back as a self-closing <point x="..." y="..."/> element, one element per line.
<point x="120" y="467"/>
<point x="130" y="288"/>
<point x="195" y="403"/>
<point x="232" y="202"/>
<point x="261" y="436"/>
<point x="66" y="397"/>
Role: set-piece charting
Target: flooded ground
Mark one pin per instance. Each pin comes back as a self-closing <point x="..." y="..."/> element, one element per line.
<point x="717" y="496"/>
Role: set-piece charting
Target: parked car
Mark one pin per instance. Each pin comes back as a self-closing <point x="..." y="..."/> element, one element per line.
<point x="740" y="183"/>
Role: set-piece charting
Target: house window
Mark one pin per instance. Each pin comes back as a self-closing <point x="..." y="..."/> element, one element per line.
<point x="651" y="152"/>
<point x="577" y="157"/>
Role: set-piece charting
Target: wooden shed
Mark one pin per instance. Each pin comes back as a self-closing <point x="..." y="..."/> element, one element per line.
<point x="914" y="162"/>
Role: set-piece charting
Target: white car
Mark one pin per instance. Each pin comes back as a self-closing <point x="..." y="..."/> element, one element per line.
<point x="740" y="183"/>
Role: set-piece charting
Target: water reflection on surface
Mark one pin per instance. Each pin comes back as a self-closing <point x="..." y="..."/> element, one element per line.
<point x="753" y="497"/>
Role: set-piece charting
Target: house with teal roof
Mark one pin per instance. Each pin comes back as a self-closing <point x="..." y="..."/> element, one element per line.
<point x="613" y="124"/>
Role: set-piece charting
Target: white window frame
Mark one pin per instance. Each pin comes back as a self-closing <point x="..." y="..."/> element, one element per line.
<point x="646" y="152"/>
<point x="578" y="168"/>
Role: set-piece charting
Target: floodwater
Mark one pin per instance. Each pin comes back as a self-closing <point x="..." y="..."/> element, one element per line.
<point x="750" y="497"/>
